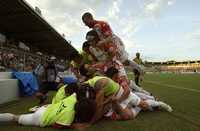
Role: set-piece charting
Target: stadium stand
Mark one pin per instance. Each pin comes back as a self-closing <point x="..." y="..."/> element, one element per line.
<point x="173" y="66"/>
<point x="25" y="38"/>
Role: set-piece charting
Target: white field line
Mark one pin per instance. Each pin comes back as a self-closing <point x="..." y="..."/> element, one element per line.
<point x="173" y="86"/>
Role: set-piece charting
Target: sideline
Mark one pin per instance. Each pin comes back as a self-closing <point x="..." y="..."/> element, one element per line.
<point x="173" y="86"/>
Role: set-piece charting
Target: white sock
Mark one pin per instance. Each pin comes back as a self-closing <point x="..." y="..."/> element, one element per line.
<point x="136" y="111"/>
<point x="152" y="103"/>
<point x="6" y="117"/>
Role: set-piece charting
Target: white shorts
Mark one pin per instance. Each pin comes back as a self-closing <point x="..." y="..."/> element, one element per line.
<point x="132" y="99"/>
<point x="123" y="55"/>
<point x="144" y="96"/>
<point x="32" y="119"/>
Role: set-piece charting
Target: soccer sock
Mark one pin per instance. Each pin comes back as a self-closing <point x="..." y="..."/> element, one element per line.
<point x="6" y="117"/>
<point x="136" y="111"/>
<point x="152" y="103"/>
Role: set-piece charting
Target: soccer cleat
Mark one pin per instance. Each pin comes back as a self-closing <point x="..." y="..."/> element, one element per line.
<point x="165" y="106"/>
<point x="6" y="117"/>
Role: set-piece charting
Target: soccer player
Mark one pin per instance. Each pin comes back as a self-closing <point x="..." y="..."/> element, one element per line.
<point x="88" y="57"/>
<point x="138" y="60"/>
<point x="65" y="91"/>
<point x="114" y="73"/>
<point x="100" y="53"/>
<point x="144" y="101"/>
<point x="108" y="40"/>
<point x="105" y="89"/>
<point x="61" y="114"/>
<point x="76" y="62"/>
<point x="103" y="54"/>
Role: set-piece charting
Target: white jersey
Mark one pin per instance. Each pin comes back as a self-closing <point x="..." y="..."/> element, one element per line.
<point x="137" y="88"/>
<point x="123" y="55"/>
<point x="118" y="65"/>
<point x="100" y="55"/>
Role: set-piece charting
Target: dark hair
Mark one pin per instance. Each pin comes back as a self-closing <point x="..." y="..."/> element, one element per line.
<point x="85" y="110"/>
<point x="92" y="35"/>
<point x="87" y="15"/>
<point x="72" y="88"/>
<point x="111" y="72"/>
<point x="86" y="44"/>
<point x="83" y="71"/>
<point x="74" y="55"/>
<point x="126" y="62"/>
<point x="86" y="91"/>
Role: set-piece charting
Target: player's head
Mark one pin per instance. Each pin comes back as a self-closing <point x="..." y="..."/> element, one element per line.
<point x="138" y="55"/>
<point x="72" y="88"/>
<point x="112" y="72"/>
<point x="85" y="110"/>
<point x="86" y="46"/>
<point x="88" y="19"/>
<point x="86" y="91"/>
<point x="85" y="71"/>
<point x="126" y="63"/>
<point x="92" y="36"/>
<point x="75" y="56"/>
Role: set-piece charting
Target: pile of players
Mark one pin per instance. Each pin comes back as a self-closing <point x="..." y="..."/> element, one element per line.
<point x="101" y="88"/>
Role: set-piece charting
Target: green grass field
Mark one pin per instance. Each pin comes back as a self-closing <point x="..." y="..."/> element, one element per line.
<point x="181" y="91"/>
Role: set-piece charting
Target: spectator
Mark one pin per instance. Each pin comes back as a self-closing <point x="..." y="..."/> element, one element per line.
<point x="49" y="81"/>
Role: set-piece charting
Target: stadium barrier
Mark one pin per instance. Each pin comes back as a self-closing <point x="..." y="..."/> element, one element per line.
<point x="9" y="90"/>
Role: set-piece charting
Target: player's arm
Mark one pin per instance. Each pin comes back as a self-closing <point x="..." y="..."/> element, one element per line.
<point x="102" y="39"/>
<point x="99" y="107"/>
<point x="98" y="66"/>
<point x="99" y="99"/>
<point x="122" y="114"/>
<point x="126" y="92"/>
<point x="105" y="40"/>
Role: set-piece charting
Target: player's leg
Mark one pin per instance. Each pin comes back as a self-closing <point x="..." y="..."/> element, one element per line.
<point x="121" y="113"/>
<point x="7" y="117"/>
<point x="137" y="77"/>
<point x="159" y="104"/>
<point x="135" y="111"/>
<point x="32" y="119"/>
<point x="149" y="104"/>
<point x="144" y="96"/>
<point x="137" y="88"/>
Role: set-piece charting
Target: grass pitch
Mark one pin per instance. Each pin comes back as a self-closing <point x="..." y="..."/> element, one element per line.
<point x="181" y="91"/>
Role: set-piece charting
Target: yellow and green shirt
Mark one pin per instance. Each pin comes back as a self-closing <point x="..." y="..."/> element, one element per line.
<point x="87" y="58"/>
<point x="60" y="95"/>
<point x="62" y="113"/>
<point x="111" y="88"/>
<point x="138" y="61"/>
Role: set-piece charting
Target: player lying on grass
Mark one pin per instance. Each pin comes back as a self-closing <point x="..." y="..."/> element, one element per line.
<point x="106" y="88"/>
<point x="136" y="100"/>
<point x="66" y="113"/>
